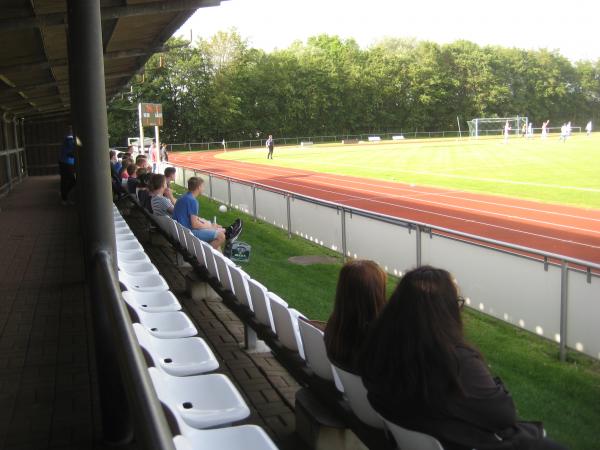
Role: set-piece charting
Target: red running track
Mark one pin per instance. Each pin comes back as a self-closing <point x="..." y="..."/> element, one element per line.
<point x="564" y="230"/>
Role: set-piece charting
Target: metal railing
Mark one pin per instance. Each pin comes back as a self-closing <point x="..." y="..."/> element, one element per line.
<point x="15" y="168"/>
<point x="150" y="424"/>
<point x="565" y="263"/>
<point x="387" y="136"/>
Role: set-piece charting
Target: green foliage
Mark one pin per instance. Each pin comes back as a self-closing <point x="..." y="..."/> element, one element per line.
<point x="222" y="88"/>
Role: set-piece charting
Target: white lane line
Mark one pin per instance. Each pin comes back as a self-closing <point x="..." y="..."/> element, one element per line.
<point x="355" y="197"/>
<point x="464" y="177"/>
<point x="442" y="204"/>
<point x="424" y="193"/>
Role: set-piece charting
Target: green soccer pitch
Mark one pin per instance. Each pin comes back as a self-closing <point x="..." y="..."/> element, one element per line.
<point x="545" y="170"/>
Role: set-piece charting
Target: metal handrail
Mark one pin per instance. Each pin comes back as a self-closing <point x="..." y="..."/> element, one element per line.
<point x="411" y="223"/>
<point x="151" y="426"/>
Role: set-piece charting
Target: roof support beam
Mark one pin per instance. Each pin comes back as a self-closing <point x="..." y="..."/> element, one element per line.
<point x="108" y="13"/>
<point x="63" y="62"/>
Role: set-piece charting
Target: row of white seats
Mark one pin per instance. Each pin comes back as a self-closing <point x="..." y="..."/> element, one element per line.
<point x="293" y="330"/>
<point x="181" y="360"/>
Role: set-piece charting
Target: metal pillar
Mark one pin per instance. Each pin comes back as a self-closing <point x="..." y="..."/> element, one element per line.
<point x="344" y="239"/>
<point x="88" y="106"/>
<point x="6" y="147"/>
<point x="18" y="154"/>
<point x="228" y="192"/>
<point x="254" y="202"/>
<point x="564" y="307"/>
<point x="418" y="243"/>
<point x="289" y="218"/>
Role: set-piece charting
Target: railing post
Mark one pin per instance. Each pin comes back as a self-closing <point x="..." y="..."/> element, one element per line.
<point x="6" y="145"/>
<point x="344" y="242"/>
<point x="419" y="248"/>
<point x="564" y="307"/>
<point x="254" y="201"/>
<point x="229" y="192"/>
<point x="289" y="217"/>
<point x="250" y="338"/>
<point x="210" y="186"/>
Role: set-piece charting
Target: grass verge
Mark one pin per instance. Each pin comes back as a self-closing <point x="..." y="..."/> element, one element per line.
<point x="564" y="396"/>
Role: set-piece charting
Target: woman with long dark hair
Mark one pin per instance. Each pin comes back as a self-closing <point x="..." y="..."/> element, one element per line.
<point x="423" y="375"/>
<point x="359" y="297"/>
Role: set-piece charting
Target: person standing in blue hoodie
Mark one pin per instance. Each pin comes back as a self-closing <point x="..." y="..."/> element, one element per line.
<point x="66" y="164"/>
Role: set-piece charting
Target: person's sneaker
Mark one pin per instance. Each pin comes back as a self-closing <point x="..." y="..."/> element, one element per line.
<point x="233" y="231"/>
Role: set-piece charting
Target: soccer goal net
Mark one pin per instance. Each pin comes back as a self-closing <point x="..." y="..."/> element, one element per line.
<point x="489" y="126"/>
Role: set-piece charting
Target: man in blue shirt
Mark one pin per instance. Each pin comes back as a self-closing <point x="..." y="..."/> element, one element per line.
<point x="186" y="212"/>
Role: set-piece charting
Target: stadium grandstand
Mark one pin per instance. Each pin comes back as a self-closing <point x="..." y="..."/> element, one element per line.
<point x="121" y="328"/>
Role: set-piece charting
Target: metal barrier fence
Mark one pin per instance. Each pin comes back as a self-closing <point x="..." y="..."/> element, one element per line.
<point x="251" y="143"/>
<point x="548" y="294"/>
<point x="15" y="168"/>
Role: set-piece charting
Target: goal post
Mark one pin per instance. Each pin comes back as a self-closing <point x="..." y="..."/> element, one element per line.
<point x="493" y="126"/>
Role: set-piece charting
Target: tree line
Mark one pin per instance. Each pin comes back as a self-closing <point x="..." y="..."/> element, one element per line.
<point x="223" y="88"/>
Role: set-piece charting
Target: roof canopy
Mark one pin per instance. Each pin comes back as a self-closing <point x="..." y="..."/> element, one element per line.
<point x="34" y="66"/>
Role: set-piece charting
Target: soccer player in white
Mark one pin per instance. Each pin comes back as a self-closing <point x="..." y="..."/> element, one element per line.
<point x="568" y="128"/>
<point x="530" y="130"/>
<point x="545" y="129"/>
<point x="588" y="128"/>
<point x="563" y="132"/>
<point x="506" y="132"/>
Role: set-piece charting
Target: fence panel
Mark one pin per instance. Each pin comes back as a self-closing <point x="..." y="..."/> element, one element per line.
<point x="583" y="316"/>
<point x="271" y="207"/>
<point x="317" y="223"/>
<point x="220" y="191"/>
<point x="515" y="289"/>
<point x="392" y="246"/>
<point x="241" y="197"/>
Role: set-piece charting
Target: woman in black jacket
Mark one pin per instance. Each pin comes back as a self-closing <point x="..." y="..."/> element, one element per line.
<point x="421" y="374"/>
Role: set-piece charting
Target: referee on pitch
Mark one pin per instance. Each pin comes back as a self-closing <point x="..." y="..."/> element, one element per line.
<point x="270" y="146"/>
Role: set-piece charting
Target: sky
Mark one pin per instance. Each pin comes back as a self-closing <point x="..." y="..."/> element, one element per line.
<point x="567" y="26"/>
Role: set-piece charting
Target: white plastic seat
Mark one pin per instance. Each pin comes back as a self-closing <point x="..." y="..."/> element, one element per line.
<point x="260" y="302"/>
<point x="251" y="437"/>
<point x="202" y="401"/>
<point x="199" y="250"/>
<point x="137" y="268"/>
<point x="132" y="257"/>
<point x="122" y="226"/>
<point x="286" y="324"/>
<point x="163" y="222"/>
<point x="143" y="283"/>
<point x="129" y="246"/>
<point x="239" y="280"/>
<point x="315" y="352"/>
<point x="356" y="393"/>
<point x="123" y="232"/>
<point x="209" y="257"/>
<point x="123" y="238"/>
<point x="189" y="242"/>
<point x="181" y="235"/>
<point x="178" y="357"/>
<point x="172" y="228"/>
<point x="223" y="265"/>
<point x="152" y="302"/>
<point x="406" y="438"/>
<point x="167" y="325"/>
